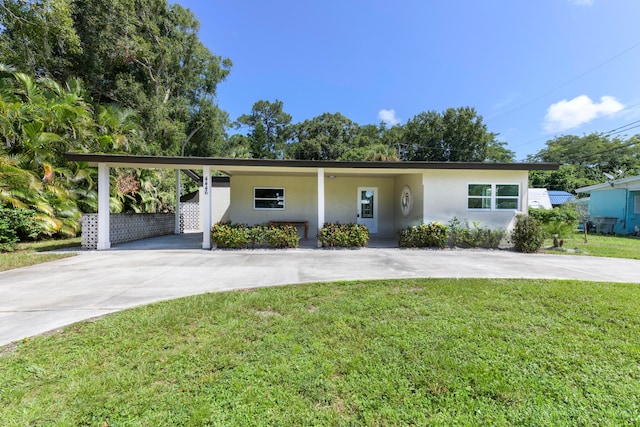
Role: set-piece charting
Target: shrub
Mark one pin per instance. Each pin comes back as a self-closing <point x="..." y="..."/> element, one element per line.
<point x="557" y="222"/>
<point x="16" y="224"/>
<point x="241" y="236"/>
<point x="464" y="236"/>
<point x="432" y="235"/>
<point x="283" y="236"/>
<point x="343" y="235"/>
<point x="230" y="236"/>
<point x="527" y="235"/>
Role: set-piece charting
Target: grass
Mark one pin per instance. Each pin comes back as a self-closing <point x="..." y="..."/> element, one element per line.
<point x="406" y="352"/>
<point x="30" y="253"/>
<point x="599" y="245"/>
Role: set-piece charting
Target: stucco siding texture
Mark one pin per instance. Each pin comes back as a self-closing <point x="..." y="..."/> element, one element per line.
<point x="301" y="200"/>
<point x="414" y="217"/>
<point x="445" y="196"/>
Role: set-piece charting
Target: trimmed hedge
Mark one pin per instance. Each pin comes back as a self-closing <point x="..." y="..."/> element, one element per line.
<point x="334" y="234"/>
<point x="432" y="235"/>
<point x="242" y="236"/>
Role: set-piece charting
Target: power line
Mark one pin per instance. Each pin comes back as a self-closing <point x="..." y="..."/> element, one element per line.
<point x="563" y="84"/>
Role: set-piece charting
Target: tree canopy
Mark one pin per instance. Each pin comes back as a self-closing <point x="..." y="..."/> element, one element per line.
<point x="585" y="159"/>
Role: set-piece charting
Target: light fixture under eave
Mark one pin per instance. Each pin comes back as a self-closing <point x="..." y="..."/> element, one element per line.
<point x="332" y="177"/>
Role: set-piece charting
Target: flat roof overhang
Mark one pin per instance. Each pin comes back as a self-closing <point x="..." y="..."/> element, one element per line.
<point x="303" y="167"/>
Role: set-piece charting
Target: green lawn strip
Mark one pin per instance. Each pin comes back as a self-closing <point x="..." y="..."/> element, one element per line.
<point x="403" y="352"/>
<point x="30" y="253"/>
<point x="598" y="245"/>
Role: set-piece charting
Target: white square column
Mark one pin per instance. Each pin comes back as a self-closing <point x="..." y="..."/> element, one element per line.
<point x="206" y="207"/>
<point x="103" y="207"/>
<point x="178" y="191"/>
<point x="320" y="200"/>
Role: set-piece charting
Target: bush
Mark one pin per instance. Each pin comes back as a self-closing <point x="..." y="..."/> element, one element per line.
<point x="242" y="236"/>
<point x="230" y="236"/>
<point x="464" y="236"/>
<point x="343" y="235"/>
<point x="16" y="225"/>
<point x="283" y="236"/>
<point x="527" y="235"/>
<point x="432" y="235"/>
<point x="558" y="222"/>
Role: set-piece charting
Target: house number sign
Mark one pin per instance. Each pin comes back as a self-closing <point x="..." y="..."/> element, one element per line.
<point x="406" y="201"/>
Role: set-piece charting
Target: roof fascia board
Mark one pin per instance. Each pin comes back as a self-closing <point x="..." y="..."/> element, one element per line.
<point x="165" y="162"/>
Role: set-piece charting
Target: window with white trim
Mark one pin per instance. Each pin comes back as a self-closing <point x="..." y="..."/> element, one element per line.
<point x="268" y="198"/>
<point x="489" y="197"/>
<point x="636" y="203"/>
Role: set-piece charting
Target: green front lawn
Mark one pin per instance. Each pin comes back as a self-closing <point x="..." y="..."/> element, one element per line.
<point x="29" y="253"/>
<point x="406" y="352"/>
<point x="599" y="245"/>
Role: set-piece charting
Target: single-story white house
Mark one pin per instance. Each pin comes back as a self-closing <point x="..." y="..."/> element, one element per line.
<point x="384" y="196"/>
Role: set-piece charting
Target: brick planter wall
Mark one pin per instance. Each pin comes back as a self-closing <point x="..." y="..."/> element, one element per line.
<point x="127" y="227"/>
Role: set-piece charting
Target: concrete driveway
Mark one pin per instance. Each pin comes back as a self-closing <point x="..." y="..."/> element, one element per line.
<point x="40" y="298"/>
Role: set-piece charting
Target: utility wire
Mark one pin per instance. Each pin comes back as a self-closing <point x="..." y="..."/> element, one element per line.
<point x="562" y="85"/>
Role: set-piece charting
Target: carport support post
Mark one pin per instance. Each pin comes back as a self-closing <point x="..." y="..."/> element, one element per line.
<point x="178" y="189"/>
<point x="103" y="207"/>
<point x="206" y="208"/>
<point x="320" y="201"/>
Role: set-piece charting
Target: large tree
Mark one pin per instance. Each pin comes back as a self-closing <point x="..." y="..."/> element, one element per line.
<point x="325" y="137"/>
<point x="456" y="135"/>
<point x="585" y="159"/>
<point x="141" y="54"/>
<point x="268" y="128"/>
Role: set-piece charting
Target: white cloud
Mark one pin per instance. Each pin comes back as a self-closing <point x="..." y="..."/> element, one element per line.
<point x="582" y="2"/>
<point x="389" y="117"/>
<point x="565" y="114"/>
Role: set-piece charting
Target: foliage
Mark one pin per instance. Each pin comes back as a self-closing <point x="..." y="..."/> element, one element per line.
<point x="584" y="160"/>
<point x="431" y="235"/>
<point x="240" y="236"/>
<point x="456" y="135"/>
<point x="479" y="236"/>
<point x="351" y="235"/>
<point x="527" y="235"/>
<point x="16" y="224"/>
<point x="450" y="352"/>
<point x="268" y="123"/>
<point x="558" y="222"/>
<point x="41" y="120"/>
<point x="230" y="236"/>
<point x="143" y="55"/>
<point x="325" y="137"/>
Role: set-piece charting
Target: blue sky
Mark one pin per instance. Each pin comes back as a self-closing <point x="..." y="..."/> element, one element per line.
<point x="533" y="69"/>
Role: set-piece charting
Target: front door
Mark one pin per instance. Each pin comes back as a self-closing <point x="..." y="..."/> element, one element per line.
<point x="368" y="208"/>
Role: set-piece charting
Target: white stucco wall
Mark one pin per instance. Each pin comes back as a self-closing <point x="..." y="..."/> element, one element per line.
<point x="438" y="195"/>
<point x="445" y="195"/>
<point x="301" y="200"/>
<point x="414" y="182"/>
<point x="220" y="204"/>
<point x="341" y="200"/>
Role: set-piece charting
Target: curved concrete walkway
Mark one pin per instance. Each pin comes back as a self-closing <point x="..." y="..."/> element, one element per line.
<point x="40" y="298"/>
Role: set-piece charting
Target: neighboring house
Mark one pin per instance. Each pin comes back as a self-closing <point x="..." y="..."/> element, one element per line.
<point x="614" y="206"/>
<point x="558" y="197"/>
<point x="384" y="196"/>
<point x="539" y="198"/>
